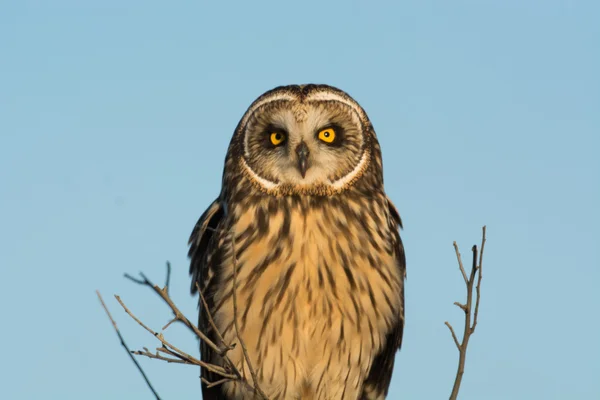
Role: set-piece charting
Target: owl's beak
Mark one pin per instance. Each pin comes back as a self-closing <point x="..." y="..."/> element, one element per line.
<point x="303" y="152"/>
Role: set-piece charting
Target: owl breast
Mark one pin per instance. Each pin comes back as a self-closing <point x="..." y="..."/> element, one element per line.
<point x="317" y="290"/>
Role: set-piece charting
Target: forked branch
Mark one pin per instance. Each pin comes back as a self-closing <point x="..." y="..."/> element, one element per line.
<point x="471" y="312"/>
<point x="129" y="352"/>
<point x="167" y="352"/>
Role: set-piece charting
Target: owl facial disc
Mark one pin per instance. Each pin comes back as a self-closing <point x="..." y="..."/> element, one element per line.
<point x="305" y="140"/>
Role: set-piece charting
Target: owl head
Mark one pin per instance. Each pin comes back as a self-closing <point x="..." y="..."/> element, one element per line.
<point x="304" y="139"/>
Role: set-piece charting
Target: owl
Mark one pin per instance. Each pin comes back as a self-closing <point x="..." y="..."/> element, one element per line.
<point x="305" y="240"/>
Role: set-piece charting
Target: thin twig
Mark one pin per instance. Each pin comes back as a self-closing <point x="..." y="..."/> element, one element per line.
<point x="162" y="292"/>
<point x="168" y="278"/>
<point x="468" y="310"/>
<point x="164" y="328"/>
<point x="246" y="358"/>
<point x="210" y="319"/>
<point x="136" y="280"/>
<point x="157" y="356"/>
<point x="192" y="360"/>
<point x="159" y="336"/>
<point x="453" y="334"/>
<point x="477" y="289"/>
<point x="129" y="352"/>
<point x="216" y="383"/>
<point x="235" y="321"/>
<point x="228" y="373"/>
<point x="460" y="264"/>
<point x="461" y="306"/>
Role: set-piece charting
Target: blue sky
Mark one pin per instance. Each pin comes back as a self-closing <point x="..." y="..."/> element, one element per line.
<point x="115" y="118"/>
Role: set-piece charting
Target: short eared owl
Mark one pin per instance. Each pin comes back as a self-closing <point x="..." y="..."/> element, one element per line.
<point x="303" y="219"/>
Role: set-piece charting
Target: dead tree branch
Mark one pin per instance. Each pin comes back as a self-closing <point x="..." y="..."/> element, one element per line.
<point x="235" y="321"/>
<point x="174" y="351"/>
<point x="169" y="353"/>
<point x="129" y="352"/>
<point x="163" y="293"/>
<point x="470" y="313"/>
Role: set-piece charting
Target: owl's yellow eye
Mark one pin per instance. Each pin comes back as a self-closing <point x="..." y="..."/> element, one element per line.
<point x="327" y="135"/>
<point x="277" y="138"/>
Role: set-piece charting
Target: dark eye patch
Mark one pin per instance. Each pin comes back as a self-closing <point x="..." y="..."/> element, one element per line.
<point x="340" y="134"/>
<point x="268" y="131"/>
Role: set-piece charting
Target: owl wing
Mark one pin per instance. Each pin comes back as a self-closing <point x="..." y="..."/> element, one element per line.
<point x="378" y="381"/>
<point x="199" y="242"/>
<point x="203" y="256"/>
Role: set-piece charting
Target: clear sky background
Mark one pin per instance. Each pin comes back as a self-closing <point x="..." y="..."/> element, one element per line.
<point x="114" y="121"/>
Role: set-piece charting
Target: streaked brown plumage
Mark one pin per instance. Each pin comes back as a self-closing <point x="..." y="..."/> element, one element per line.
<point x="320" y="264"/>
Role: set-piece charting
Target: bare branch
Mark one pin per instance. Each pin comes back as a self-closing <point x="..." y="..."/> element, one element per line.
<point x="169" y="323"/>
<point x="168" y="278"/>
<point x="230" y="372"/>
<point x="460" y="264"/>
<point x="210" y="319"/>
<point x="129" y="352"/>
<point x="157" y="356"/>
<point x="453" y="334"/>
<point x="468" y="310"/>
<point x="477" y="289"/>
<point x="216" y="383"/>
<point x="227" y="373"/>
<point x="235" y="320"/>
<point x="461" y="306"/>
<point x="159" y="336"/>
<point x="163" y="294"/>
<point x="174" y="350"/>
